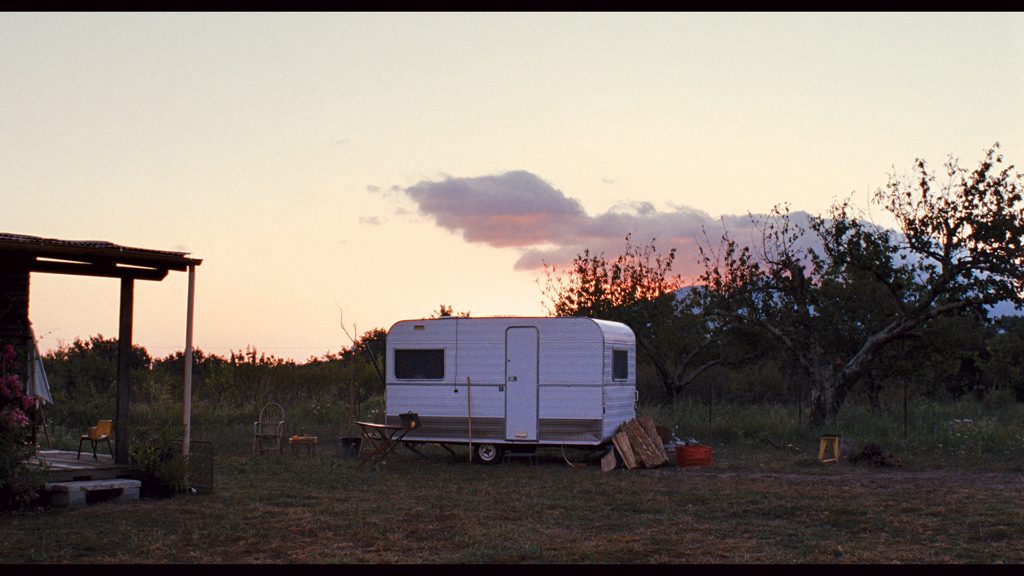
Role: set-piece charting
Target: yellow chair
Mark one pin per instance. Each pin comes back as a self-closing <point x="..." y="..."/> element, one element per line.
<point x="98" y="433"/>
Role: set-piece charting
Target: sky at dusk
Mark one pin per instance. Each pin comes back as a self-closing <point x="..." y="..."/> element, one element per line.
<point x="369" y="167"/>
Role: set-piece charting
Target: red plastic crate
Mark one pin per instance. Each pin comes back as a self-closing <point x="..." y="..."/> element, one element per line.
<point x="693" y="455"/>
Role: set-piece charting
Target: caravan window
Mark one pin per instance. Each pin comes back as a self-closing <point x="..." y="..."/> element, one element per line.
<point x="620" y="364"/>
<point x="419" y="364"/>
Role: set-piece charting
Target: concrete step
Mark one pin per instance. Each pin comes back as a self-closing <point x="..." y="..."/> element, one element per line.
<point x="83" y="492"/>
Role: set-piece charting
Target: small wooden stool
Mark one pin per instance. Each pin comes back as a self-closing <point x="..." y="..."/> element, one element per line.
<point x="308" y="441"/>
<point x="827" y="439"/>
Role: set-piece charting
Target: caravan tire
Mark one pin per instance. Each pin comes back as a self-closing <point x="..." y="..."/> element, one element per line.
<point x="488" y="453"/>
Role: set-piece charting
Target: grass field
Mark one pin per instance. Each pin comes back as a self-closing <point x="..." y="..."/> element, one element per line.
<point x="762" y="505"/>
<point x="958" y="498"/>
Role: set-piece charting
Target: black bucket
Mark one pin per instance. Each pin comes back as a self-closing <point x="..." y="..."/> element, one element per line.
<point x="350" y="446"/>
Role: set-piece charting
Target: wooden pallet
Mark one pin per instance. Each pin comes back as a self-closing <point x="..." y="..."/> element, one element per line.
<point x="638" y="444"/>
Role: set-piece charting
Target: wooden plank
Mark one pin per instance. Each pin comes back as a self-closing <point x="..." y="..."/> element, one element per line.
<point x="650" y="452"/>
<point x="652" y="458"/>
<point x="609" y="462"/>
<point x="621" y="442"/>
<point x="635" y="442"/>
<point x="650" y="428"/>
<point x="657" y="447"/>
<point x="655" y="439"/>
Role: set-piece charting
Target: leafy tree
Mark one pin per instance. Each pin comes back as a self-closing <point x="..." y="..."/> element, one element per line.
<point x="638" y="289"/>
<point x="370" y="351"/>
<point x="83" y="378"/>
<point x="91" y="364"/>
<point x="836" y="306"/>
<point x="207" y="375"/>
<point x="446" y="311"/>
<point x="1005" y="363"/>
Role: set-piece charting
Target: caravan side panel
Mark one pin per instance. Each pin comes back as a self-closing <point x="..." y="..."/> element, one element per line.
<point x="443" y="410"/>
<point x="570" y="399"/>
<point x="443" y="404"/>
<point x="620" y="406"/>
<point x="570" y="352"/>
<point x="423" y="335"/>
<point x="481" y="351"/>
<point x="570" y="414"/>
<point x="619" y="395"/>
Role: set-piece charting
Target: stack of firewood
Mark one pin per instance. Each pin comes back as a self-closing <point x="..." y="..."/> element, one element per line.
<point x="637" y="444"/>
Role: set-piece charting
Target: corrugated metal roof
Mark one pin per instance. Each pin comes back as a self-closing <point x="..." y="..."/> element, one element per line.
<point x="97" y="244"/>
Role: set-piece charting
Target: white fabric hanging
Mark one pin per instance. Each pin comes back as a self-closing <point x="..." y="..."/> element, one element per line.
<point x="38" y="385"/>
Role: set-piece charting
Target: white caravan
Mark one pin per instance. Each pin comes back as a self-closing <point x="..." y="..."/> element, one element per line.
<point x="510" y="382"/>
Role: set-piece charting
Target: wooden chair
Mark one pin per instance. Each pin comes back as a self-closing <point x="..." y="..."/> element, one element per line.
<point x="98" y="433"/>
<point x="269" y="429"/>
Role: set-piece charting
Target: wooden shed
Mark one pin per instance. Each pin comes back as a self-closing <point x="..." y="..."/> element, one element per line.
<point x="21" y="256"/>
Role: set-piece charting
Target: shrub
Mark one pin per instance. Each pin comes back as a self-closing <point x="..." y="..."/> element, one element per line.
<point x="156" y="455"/>
<point x="19" y="484"/>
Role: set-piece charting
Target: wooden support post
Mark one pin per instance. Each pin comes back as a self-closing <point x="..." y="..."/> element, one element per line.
<point x="187" y="395"/>
<point x="352" y="401"/>
<point x="124" y="354"/>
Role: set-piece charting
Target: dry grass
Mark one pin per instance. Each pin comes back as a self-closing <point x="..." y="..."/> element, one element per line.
<point x="758" y="508"/>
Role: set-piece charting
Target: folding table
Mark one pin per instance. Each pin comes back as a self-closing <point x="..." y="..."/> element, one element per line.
<point x="379" y="440"/>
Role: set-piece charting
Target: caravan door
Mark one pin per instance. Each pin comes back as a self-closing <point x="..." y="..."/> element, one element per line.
<point x="521" y="344"/>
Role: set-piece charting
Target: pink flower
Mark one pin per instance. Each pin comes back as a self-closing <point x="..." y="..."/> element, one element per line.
<point x="10" y="388"/>
<point x="13" y="418"/>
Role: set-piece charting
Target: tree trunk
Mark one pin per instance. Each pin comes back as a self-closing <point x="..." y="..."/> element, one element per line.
<point x="831" y="381"/>
<point x="824" y="402"/>
<point x="828" y="390"/>
<point x="874" y="390"/>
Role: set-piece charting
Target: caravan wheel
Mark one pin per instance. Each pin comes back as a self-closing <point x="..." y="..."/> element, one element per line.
<point x="487" y="453"/>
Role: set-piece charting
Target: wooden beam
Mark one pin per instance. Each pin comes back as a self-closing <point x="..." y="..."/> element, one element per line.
<point x="124" y="354"/>
<point x="99" y="270"/>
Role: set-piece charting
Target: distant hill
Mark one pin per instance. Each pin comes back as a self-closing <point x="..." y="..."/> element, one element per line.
<point x="1001" y="309"/>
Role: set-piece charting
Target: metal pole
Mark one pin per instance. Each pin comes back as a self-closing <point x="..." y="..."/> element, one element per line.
<point x="800" y="403"/>
<point x="709" y="401"/>
<point x="904" y="407"/>
<point x="188" y="361"/>
<point x="469" y="416"/>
